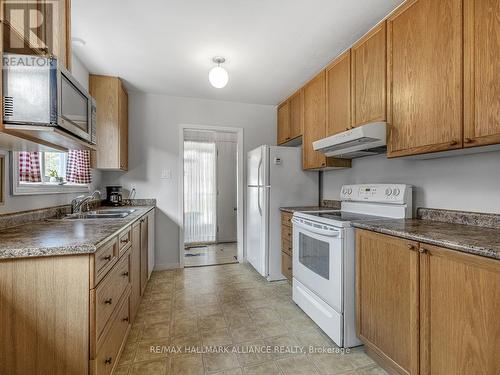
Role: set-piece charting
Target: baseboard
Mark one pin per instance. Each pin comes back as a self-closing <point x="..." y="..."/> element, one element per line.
<point x="166" y="266"/>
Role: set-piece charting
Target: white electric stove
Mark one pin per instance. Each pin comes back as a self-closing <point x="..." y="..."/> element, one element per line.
<point x="324" y="254"/>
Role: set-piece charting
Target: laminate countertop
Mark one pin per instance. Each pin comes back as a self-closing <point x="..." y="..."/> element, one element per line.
<point x="50" y="237"/>
<point x="465" y="238"/>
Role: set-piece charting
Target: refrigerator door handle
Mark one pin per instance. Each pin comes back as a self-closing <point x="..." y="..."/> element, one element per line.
<point x="258" y="188"/>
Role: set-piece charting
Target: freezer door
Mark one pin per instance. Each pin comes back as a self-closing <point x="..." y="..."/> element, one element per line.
<point x="258" y="167"/>
<point x="256" y="229"/>
<point x="254" y="167"/>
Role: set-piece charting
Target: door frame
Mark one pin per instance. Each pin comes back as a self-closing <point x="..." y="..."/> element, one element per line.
<point x="239" y="188"/>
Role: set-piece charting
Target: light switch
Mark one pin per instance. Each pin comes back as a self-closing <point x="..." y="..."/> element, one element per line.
<point x="166" y="174"/>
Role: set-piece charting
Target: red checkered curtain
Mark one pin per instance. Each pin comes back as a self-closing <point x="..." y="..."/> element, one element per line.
<point x="29" y="167"/>
<point x="78" y="167"/>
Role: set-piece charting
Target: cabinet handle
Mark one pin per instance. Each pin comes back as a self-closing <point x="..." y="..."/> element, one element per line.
<point x="124" y="241"/>
<point x="108" y="301"/>
<point x="453" y="142"/>
<point x="125" y="319"/>
<point x="347" y="128"/>
<point x="107" y="257"/>
<point x="422" y="250"/>
<point x="108" y="361"/>
<point x="411" y="247"/>
<point x="289" y="268"/>
<point x="468" y="140"/>
<point x="125" y="274"/>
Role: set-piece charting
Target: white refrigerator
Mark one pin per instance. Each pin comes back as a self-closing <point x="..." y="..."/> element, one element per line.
<point x="274" y="179"/>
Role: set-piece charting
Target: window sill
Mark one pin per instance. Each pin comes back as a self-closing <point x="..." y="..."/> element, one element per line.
<point x="48" y="188"/>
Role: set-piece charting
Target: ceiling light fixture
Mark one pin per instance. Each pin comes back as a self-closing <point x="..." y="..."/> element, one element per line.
<point x="218" y="76"/>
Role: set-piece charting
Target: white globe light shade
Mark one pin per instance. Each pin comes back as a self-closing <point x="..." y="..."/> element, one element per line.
<point x="218" y="77"/>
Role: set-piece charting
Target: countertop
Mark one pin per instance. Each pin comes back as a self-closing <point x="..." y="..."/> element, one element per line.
<point x="51" y="237"/>
<point x="465" y="238"/>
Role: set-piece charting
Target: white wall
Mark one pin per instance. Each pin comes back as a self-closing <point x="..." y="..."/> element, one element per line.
<point x="29" y="202"/>
<point x="154" y="147"/>
<point x="469" y="182"/>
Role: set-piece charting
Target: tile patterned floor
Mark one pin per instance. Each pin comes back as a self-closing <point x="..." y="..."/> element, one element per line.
<point x="233" y="307"/>
<point x="222" y="253"/>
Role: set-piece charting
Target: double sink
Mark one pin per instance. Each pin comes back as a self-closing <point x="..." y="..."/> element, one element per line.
<point x="101" y="214"/>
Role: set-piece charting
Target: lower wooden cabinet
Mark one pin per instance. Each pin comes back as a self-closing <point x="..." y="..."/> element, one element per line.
<point x="144" y="253"/>
<point x="286" y="245"/>
<point x="459" y="305"/>
<point x="387" y="298"/>
<point x="73" y="312"/>
<point x="135" y="269"/>
<point x="423" y="309"/>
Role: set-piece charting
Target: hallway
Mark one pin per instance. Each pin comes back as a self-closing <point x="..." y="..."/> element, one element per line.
<point x="232" y="306"/>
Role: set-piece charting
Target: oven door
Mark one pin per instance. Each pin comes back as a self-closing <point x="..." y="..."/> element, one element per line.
<point x="317" y="260"/>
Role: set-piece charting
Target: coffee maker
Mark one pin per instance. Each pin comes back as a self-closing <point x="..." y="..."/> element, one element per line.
<point x="114" y="195"/>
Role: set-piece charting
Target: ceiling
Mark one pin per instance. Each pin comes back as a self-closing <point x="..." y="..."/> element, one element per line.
<point x="271" y="46"/>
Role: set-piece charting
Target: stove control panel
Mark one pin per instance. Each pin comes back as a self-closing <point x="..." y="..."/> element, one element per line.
<point x="381" y="193"/>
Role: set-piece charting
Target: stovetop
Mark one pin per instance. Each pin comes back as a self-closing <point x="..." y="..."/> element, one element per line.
<point x="337" y="217"/>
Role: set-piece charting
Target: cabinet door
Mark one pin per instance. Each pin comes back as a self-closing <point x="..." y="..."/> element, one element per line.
<point x="482" y="67"/>
<point x="338" y="95"/>
<point x="123" y="125"/>
<point x="49" y="28"/>
<point x="295" y="103"/>
<point x="459" y="304"/>
<point x="369" y="77"/>
<point x="283" y="123"/>
<point x="135" y="270"/>
<point x="144" y="253"/>
<point x="314" y="101"/>
<point x="425" y="77"/>
<point x="387" y="298"/>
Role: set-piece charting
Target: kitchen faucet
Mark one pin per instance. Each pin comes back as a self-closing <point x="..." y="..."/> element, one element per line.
<point x="78" y="202"/>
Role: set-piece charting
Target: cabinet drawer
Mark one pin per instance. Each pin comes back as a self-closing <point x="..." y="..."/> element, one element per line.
<point x="286" y="233"/>
<point x="286" y="265"/>
<point x="286" y="246"/>
<point x="124" y="241"/>
<point x="286" y="218"/>
<point x="104" y="259"/>
<point x="107" y="356"/>
<point x="107" y="294"/>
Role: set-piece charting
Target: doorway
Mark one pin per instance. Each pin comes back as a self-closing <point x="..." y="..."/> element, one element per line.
<point x="210" y="196"/>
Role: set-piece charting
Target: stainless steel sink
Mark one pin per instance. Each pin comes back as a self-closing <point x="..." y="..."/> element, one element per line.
<point x="101" y="214"/>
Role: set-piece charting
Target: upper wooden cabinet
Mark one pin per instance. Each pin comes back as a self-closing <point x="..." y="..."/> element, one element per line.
<point x="52" y="37"/>
<point x="338" y="95"/>
<point x="290" y="118"/>
<point x="368" y="69"/>
<point x="283" y="122"/>
<point x="481" y="69"/>
<point x="314" y="101"/>
<point x="425" y="77"/>
<point x="295" y="103"/>
<point x="112" y="122"/>
<point x="387" y="298"/>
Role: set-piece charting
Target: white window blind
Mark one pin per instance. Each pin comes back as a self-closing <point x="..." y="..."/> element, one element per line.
<point x="200" y="190"/>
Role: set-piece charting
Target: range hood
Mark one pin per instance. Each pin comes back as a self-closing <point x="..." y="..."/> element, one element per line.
<point x="364" y="140"/>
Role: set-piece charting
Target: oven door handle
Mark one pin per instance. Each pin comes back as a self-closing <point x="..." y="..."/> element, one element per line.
<point x="313" y="229"/>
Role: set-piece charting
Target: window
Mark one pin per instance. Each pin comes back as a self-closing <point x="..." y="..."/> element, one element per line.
<point x="51" y="172"/>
